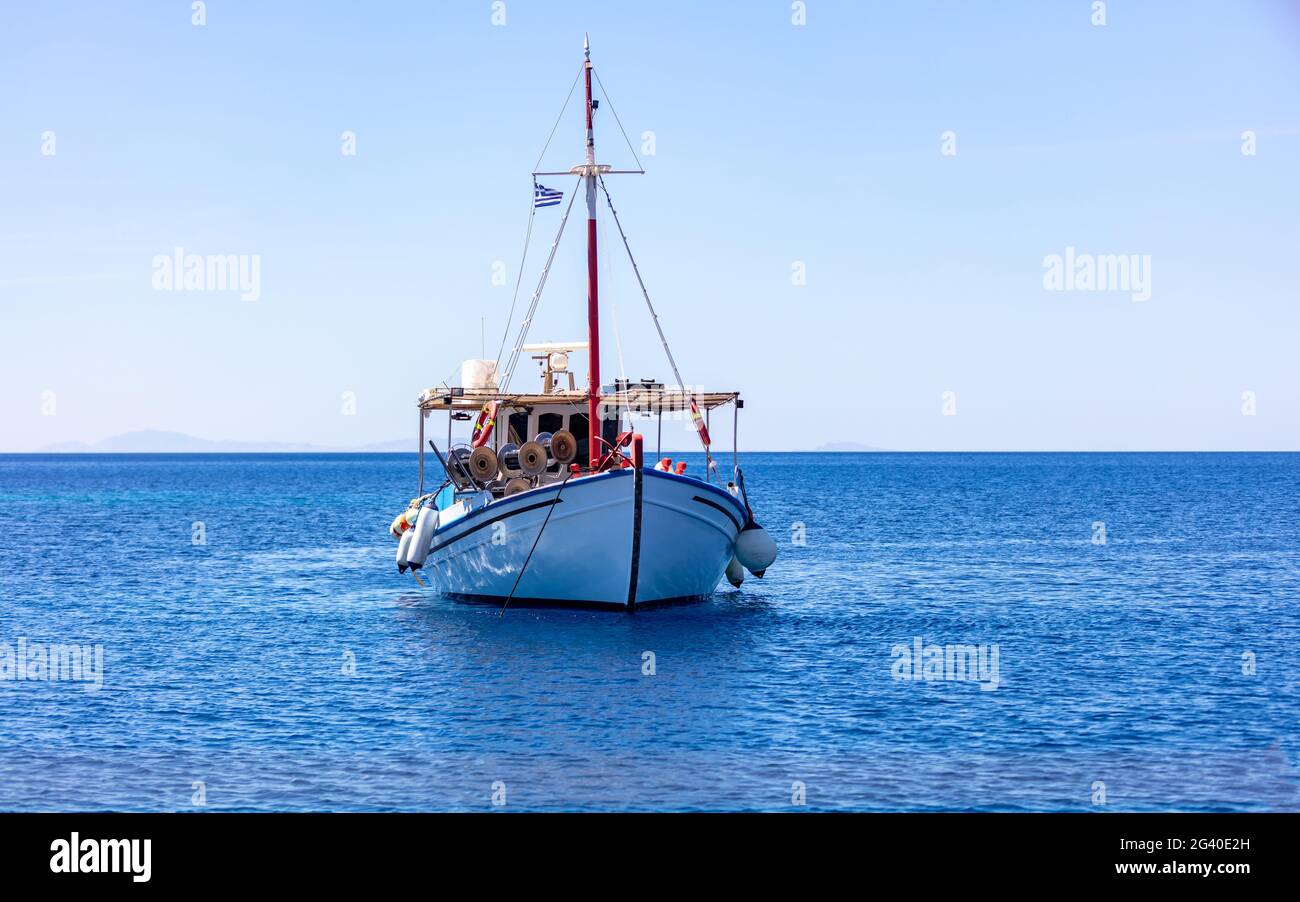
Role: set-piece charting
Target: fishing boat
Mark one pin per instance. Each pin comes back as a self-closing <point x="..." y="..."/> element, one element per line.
<point x="539" y="507"/>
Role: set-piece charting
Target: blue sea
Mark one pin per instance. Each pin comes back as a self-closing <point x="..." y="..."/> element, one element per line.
<point x="1141" y="611"/>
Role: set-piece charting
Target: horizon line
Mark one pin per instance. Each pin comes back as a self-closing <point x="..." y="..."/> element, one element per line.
<point x="717" y="455"/>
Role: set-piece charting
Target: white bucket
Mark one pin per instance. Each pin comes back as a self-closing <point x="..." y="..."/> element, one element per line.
<point x="480" y="375"/>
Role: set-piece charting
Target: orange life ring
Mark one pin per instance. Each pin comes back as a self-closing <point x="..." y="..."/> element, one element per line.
<point x="487" y="418"/>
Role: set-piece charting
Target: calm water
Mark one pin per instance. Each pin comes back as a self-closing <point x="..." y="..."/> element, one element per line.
<point x="223" y="662"/>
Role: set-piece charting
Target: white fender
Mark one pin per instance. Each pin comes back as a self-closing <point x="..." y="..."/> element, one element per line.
<point x="735" y="573"/>
<point x="755" y="549"/>
<point x="404" y="548"/>
<point x="423" y="537"/>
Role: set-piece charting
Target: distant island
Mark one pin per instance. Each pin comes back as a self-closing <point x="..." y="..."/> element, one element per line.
<point x="157" y="441"/>
<point x="847" y="446"/>
<point x="153" y="441"/>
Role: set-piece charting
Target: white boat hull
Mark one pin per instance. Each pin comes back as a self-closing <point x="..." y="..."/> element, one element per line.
<point x="604" y="545"/>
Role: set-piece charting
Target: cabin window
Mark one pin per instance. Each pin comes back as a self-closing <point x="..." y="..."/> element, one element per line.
<point x="519" y="427"/>
<point x="578" y="426"/>
<point x="550" y="422"/>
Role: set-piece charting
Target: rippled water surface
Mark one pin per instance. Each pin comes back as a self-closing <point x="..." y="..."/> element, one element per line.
<point x="1119" y="668"/>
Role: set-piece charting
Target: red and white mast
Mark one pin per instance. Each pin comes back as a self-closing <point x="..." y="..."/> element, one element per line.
<point x="590" y="172"/>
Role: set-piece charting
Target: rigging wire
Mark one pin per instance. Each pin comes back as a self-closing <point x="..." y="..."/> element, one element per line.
<point x="537" y="295"/>
<point x="514" y="299"/>
<point x="646" y="294"/>
<point x="569" y="97"/>
<point x="639" y="165"/>
<point x="613" y="306"/>
<point x="532" y="214"/>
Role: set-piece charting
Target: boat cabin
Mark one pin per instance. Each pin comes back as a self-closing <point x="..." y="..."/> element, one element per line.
<point x="525" y="418"/>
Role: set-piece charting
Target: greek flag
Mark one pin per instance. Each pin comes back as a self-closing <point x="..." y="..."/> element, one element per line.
<point x="545" y="197"/>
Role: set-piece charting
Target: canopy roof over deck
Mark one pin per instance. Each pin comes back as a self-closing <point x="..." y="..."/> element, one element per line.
<point x="637" y="397"/>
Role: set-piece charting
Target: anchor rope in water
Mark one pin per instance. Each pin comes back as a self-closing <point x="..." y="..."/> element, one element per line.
<point x="549" y="511"/>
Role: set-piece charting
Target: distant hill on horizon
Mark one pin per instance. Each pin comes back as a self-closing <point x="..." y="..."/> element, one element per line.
<point x="157" y="441"/>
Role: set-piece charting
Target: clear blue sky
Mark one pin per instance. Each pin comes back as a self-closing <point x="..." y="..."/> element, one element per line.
<point x="775" y="144"/>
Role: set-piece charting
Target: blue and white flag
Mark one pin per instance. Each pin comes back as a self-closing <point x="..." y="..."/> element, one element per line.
<point x="545" y="197"/>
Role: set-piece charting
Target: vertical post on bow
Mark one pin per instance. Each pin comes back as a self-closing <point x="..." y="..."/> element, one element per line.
<point x="638" y="491"/>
